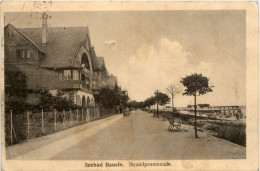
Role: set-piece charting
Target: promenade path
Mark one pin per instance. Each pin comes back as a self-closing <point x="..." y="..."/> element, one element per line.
<point x="137" y="137"/>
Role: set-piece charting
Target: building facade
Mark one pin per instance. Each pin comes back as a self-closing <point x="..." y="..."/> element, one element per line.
<point x="59" y="59"/>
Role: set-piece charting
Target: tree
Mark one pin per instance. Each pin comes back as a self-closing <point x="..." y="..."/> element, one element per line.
<point x="196" y="85"/>
<point x="148" y="102"/>
<point x="49" y="102"/>
<point x="110" y="98"/>
<point x="123" y="97"/>
<point x="173" y="91"/>
<point x="162" y="98"/>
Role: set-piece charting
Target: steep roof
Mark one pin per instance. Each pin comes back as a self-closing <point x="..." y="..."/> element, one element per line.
<point x="101" y="62"/>
<point x="111" y="82"/>
<point x="94" y="60"/>
<point x="25" y="36"/>
<point x="62" y="44"/>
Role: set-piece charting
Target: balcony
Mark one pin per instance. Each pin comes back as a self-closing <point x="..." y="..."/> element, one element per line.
<point x="72" y="84"/>
<point x="69" y="84"/>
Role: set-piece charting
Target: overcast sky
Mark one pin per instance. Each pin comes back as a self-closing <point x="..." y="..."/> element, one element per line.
<point x="153" y="49"/>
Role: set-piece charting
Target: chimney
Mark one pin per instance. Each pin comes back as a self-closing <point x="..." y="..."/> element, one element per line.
<point x="44" y="28"/>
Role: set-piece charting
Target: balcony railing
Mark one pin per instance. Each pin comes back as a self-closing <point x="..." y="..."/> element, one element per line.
<point x="69" y="84"/>
<point x="72" y="84"/>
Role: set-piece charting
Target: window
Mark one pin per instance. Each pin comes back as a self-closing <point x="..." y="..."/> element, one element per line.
<point x="75" y="74"/>
<point x="82" y="77"/>
<point x="78" y="100"/>
<point x="87" y="82"/>
<point x="24" y="53"/>
<point x="67" y="74"/>
<point x="29" y="53"/>
<point x="18" y="54"/>
<point x="60" y="75"/>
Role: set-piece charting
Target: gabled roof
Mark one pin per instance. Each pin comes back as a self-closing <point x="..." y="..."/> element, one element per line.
<point x="94" y="60"/>
<point x="101" y="62"/>
<point x="111" y="82"/>
<point x="25" y="36"/>
<point x="62" y="44"/>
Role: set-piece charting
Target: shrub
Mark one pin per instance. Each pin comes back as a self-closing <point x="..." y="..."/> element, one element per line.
<point x="17" y="105"/>
<point x="235" y="133"/>
<point x="232" y="132"/>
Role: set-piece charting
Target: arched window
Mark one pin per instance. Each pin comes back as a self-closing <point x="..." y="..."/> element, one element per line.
<point x="84" y="61"/>
<point x="92" y="102"/>
<point x="88" y="102"/>
<point x="83" y="101"/>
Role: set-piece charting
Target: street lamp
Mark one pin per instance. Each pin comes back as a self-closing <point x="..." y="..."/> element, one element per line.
<point x="156" y="92"/>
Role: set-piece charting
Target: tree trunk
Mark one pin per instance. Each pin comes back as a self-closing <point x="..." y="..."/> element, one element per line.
<point x="172" y="109"/>
<point x="157" y="110"/>
<point x="195" y="106"/>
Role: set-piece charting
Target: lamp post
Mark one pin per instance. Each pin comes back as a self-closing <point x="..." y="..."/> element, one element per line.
<point x="157" y="103"/>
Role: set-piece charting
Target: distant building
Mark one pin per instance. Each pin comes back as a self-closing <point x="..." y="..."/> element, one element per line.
<point x="54" y="59"/>
<point x="199" y="106"/>
<point x="204" y="105"/>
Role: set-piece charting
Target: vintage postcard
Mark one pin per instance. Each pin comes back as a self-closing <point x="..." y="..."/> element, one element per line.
<point x="129" y="85"/>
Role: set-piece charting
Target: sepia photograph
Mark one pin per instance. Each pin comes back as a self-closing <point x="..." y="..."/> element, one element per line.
<point x="138" y="89"/>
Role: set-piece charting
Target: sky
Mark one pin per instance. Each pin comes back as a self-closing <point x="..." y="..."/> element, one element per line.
<point x="149" y="50"/>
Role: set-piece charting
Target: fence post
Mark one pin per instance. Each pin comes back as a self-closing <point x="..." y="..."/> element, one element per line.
<point x="82" y="114"/>
<point x="89" y="113"/>
<point x="77" y="116"/>
<point x="70" y="116"/>
<point x="42" y="123"/>
<point x="86" y="114"/>
<point x="55" y="120"/>
<point x="28" y="123"/>
<point x="94" y="112"/>
<point x="63" y="119"/>
<point x="11" y="126"/>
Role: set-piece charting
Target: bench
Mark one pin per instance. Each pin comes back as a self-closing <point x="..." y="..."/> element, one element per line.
<point x="172" y="124"/>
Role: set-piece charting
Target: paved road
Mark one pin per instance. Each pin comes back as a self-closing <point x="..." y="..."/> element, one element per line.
<point x="137" y="137"/>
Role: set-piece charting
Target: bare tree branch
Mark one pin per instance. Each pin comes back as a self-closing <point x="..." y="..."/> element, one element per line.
<point x="173" y="91"/>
